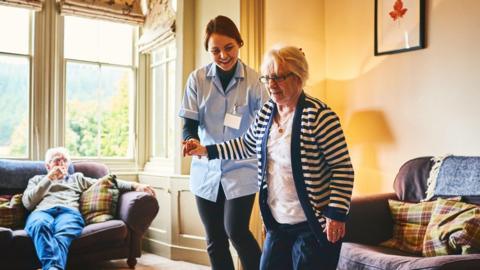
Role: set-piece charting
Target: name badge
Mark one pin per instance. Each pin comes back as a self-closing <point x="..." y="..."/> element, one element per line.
<point x="232" y="121"/>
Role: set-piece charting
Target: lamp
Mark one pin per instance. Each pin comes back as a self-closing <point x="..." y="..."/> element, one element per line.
<point x="368" y="126"/>
<point x="365" y="131"/>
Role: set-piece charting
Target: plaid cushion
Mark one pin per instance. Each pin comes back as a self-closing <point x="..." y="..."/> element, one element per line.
<point x="12" y="211"/>
<point x="99" y="202"/>
<point x="453" y="229"/>
<point x="410" y="225"/>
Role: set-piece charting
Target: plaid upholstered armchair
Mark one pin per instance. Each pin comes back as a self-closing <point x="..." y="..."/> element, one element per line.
<point x="113" y="239"/>
<point x="370" y="223"/>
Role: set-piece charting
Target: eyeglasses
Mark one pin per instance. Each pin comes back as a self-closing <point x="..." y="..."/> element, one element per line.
<point x="264" y="79"/>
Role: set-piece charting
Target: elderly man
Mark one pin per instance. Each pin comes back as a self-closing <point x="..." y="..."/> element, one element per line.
<point x="54" y="199"/>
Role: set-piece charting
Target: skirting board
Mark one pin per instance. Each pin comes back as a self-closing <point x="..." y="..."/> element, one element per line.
<point x="181" y="253"/>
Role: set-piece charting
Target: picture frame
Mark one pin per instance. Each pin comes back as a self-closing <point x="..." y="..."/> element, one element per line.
<point x="399" y="26"/>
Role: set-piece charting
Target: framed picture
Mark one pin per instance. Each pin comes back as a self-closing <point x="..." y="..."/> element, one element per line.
<point x="399" y="26"/>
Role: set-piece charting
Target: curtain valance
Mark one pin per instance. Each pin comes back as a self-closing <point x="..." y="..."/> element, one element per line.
<point x="31" y="4"/>
<point x="159" y="25"/>
<point x="127" y="11"/>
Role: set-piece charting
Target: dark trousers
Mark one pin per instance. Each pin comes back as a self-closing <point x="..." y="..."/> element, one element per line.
<point x="296" y="247"/>
<point x="229" y="219"/>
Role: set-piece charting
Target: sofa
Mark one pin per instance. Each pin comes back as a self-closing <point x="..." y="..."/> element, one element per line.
<point x="370" y="223"/>
<point x="114" y="239"/>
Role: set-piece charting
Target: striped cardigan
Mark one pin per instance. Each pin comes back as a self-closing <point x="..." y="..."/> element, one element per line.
<point x="321" y="166"/>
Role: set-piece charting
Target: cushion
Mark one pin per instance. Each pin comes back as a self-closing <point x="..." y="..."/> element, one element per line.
<point x="12" y="211"/>
<point x="453" y="229"/>
<point x="410" y="224"/>
<point x="99" y="202"/>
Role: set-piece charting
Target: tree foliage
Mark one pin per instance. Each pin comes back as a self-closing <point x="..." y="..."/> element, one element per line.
<point x="100" y="130"/>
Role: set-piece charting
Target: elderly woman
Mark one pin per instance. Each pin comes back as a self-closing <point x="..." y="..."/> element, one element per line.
<point x="304" y="169"/>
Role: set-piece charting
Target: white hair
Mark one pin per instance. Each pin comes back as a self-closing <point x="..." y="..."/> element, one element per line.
<point x="52" y="152"/>
<point x="290" y="57"/>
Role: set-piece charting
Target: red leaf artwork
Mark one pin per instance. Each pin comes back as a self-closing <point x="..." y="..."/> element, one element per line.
<point x="398" y="10"/>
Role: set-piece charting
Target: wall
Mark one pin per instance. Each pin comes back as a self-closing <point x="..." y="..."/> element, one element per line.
<point x="205" y="10"/>
<point x="175" y="232"/>
<point x="395" y="107"/>
<point x="288" y="23"/>
<point x="406" y="105"/>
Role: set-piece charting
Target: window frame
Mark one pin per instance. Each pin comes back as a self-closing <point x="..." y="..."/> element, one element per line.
<point x="167" y="62"/>
<point x="157" y="164"/>
<point x="47" y="93"/>
<point x="122" y="164"/>
<point x="30" y="57"/>
<point x="131" y="119"/>
<point x="47" y="98"/>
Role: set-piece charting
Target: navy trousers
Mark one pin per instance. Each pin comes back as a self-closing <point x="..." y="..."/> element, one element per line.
<point x="295" y="247"/>
<point x="52" y="231"/>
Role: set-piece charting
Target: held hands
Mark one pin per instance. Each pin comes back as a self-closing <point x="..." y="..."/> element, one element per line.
<point x="192" y="147"/>
<point x="334" y="229"/>
<point x="57" y="172"/>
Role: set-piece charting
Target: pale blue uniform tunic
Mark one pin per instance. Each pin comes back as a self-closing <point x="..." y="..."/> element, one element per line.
<point x="207" y="102"/>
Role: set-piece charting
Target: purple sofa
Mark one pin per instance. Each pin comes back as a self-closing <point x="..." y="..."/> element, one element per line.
<point x="114" y="239"/>
<point x="370" y="223"/>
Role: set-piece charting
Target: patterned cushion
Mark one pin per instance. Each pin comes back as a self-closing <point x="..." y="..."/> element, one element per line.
<point x="410" y="225"/>
<point x="99" y="202"/>
<point x="12" y="211"/>
<point x="453" y="229"/>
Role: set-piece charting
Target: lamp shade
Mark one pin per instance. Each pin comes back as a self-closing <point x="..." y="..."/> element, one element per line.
<point x="368" y="126"/>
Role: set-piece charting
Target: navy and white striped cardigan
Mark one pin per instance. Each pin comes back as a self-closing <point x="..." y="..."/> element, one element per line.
<point x="321" y="166"/>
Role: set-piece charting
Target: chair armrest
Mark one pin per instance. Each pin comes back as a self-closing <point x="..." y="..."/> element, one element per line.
<point x="369" y="220"/>
<point x="137" y="210"/>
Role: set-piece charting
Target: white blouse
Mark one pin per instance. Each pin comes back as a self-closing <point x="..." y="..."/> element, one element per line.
<point x="282" y="194"/>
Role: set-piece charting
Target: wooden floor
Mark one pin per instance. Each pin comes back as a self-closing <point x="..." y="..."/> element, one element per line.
<point x="149" y="261"/>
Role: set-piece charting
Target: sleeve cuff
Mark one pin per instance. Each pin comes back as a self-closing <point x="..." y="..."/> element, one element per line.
<point x="185" y="113"/>
<point x="212" y="151"/>
<point x="335" y="214"/>
<point x="125" y="185"/>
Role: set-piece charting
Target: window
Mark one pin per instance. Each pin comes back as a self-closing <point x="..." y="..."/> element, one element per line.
<point x="162" y="72"/>
<point x="15" y="66"/>
<point x="99" y="88"/>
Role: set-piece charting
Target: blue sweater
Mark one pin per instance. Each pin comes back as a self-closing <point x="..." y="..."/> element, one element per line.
<point x="321" y="165"/>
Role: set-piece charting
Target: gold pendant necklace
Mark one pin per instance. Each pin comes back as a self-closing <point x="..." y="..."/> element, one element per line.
<point x="280" y="125"/>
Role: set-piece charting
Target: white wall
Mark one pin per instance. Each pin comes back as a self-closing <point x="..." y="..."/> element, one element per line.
<point x="290" y="23"/>
<point x="395" y="107"/>
<point x="428" y="98"/>
<point x="205" y="10"/>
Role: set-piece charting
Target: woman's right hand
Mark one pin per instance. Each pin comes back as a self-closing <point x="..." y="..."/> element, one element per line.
<point x="192" y="147"/>
<point x="189" y="145"/>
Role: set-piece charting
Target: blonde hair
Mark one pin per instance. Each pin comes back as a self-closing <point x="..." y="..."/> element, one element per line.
<point x="55" y="151"/>
<point x="290" y="57"/>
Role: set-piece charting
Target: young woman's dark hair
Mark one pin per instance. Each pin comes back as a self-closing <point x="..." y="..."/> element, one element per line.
<point x="224" y="26"/>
